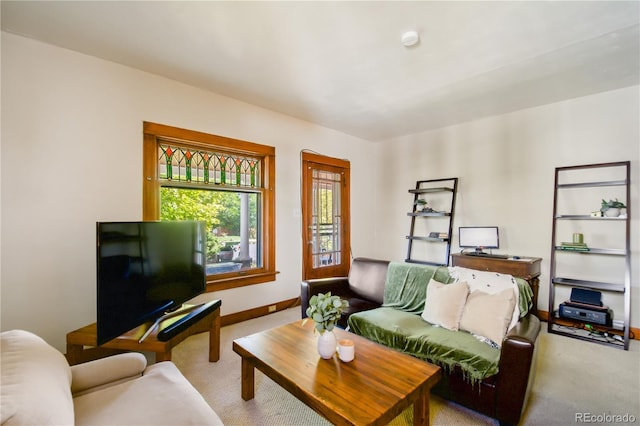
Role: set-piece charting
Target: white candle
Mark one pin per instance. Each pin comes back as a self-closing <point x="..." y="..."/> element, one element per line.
<point x="346" y="350"/>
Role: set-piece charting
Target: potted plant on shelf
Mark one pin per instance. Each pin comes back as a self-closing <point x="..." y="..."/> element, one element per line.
<point x="420" y="204"/>
<point x="325" y="310"/>
<point x="612" y="208"/>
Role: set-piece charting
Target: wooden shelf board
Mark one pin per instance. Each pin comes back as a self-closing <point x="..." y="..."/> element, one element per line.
<point x="594" y="285"/>
<point x="612" y="252"/>
<point x="581" y="334"/>
<point x="424" y="262"/>
<point x="433" y="240"/>
<point x="589" y="217"/>
<point x="430" y="214"/>
<point x="430" y="190"/>
<point x="593" y="184"/>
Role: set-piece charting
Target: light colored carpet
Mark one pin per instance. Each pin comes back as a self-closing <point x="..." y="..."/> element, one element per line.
<point x="572" y="377"/>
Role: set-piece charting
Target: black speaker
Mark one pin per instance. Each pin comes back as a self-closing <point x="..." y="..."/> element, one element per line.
<point x="588" y="297"/>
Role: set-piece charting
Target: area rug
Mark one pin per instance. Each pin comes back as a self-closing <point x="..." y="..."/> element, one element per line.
<point x="564" y="387"/>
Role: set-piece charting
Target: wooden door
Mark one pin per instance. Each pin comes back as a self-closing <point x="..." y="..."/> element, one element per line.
<point x="325" y="216"/>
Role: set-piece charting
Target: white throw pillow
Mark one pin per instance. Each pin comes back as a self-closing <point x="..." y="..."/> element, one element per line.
<point x="489" y="282"/>
<point x="444" y="303"/>
<point x="488" y="315"/>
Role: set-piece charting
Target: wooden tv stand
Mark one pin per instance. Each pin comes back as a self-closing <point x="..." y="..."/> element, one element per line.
<point x="81" y="343"/>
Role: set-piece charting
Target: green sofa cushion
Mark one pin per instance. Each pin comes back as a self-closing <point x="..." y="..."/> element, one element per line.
<point x="409" y="333"/>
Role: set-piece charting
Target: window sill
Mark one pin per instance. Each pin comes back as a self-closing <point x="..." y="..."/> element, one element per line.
<point x="239" y="281"/>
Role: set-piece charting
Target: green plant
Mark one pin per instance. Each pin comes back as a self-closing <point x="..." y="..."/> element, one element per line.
<point x="325" y="310"/>
<point x="213" y="247"/>
<point x="611" y="204"/>
<point x="421" y="202"/>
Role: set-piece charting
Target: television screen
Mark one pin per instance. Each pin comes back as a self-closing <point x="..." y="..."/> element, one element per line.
<point x="478" y="237"/>
<point x="145" y="269"/>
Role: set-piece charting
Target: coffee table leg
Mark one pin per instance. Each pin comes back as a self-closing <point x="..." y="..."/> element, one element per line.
<point x="248" y="374"/>
<point x="421" y="410"/>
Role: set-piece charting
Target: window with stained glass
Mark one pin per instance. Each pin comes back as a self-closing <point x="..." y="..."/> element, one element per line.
<point x="222" y="182"/>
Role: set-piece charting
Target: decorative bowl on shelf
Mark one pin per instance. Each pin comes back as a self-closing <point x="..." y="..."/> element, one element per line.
<point x="612" y="212"/>
<point x="612" y="208"/>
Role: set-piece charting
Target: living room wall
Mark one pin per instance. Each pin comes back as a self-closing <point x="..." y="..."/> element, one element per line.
<point x="506" y="167"/>
<point x="72" y="156"/>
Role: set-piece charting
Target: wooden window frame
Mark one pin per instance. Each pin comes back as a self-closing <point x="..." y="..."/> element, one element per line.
<point x="156" y="133"/>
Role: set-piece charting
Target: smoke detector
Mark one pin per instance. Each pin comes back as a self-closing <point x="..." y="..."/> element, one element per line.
<point x="410" y="38"/>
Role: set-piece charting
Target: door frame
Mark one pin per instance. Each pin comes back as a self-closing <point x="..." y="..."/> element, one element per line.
<point x="308" y="159"/>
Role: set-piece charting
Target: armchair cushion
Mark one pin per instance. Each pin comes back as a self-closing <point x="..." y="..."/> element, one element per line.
<point x="93" y="375"/>
<point x="162" y="396"/>
<point x="36" y="382"/>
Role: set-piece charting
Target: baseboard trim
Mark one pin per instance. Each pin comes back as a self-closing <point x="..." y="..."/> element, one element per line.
<point x="258" y="311"/>
<point x="635" y="332"/>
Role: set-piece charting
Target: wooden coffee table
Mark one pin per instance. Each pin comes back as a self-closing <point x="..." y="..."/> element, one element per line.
<point x="372" y="389"/>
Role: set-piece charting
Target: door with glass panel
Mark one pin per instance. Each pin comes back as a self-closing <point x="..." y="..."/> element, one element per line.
<point x="325" y="216"/>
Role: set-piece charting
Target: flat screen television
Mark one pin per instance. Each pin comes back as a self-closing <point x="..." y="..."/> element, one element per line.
<point x="478" y="237"/>
<point x="144" y="270"/>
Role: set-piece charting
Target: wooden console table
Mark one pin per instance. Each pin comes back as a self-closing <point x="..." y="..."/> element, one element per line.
<point x="527" y="268"/>
<point x="81" y="343"/>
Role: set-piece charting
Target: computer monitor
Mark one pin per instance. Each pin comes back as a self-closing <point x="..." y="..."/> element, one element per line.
<point x="479" y="237"/>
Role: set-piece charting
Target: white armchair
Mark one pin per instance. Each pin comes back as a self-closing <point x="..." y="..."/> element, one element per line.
<point x="39" y="387"/>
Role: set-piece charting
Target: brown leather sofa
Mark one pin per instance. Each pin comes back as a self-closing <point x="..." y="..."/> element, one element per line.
<point x="363" y="288"/>
<point x="501" y="396"/>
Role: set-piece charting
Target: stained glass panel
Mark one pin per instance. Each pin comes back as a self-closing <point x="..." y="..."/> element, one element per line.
<point x="183" y="164"/>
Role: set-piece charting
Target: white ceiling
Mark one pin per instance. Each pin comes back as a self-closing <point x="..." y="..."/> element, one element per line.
<point x="341" y="64"/>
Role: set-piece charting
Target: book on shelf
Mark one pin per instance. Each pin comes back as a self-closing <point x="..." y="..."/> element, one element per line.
<point x="439" y="235"/>
<point x="574" y="246"/>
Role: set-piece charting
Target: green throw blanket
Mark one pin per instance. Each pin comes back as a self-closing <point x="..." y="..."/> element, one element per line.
<point x="406" y="286"/>
<point x="409" y="333"/>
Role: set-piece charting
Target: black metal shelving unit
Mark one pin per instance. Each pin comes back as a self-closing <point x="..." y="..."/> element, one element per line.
<point x="583" y="329"/>
<point x="448" y="188"/>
